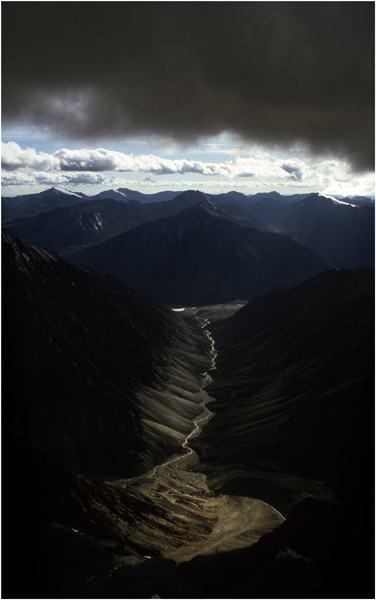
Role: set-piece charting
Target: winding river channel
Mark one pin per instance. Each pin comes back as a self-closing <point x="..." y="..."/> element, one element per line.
<point x="198" y="423"/>
<point x="205" y="415"/>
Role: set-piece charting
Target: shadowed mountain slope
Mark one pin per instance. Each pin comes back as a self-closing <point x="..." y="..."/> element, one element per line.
<point x="110" y="194"/>
<point x="96" y="376"/>
<point x="201" y="257"/>
<point x="65" y="230"/>
<point x="359" y="200"/>
<point x="294" y="391"/>
<point x="194" y="197"/>
<point x="341" y="234"/>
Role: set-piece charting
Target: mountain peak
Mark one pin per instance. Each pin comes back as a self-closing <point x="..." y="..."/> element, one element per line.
<point x="197" y="197"/>
<point x="58" y="191"/>
<point x="200" y="256"/>
<point x="194" y="194"/>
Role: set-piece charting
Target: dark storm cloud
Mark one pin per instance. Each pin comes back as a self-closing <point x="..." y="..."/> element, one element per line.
<point x="272" y="72"/>
<point x="295" y="172"/>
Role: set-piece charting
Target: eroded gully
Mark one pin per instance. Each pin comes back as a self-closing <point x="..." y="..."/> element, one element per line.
<point x="204" y="417"/>
<point x="198" y="423"/>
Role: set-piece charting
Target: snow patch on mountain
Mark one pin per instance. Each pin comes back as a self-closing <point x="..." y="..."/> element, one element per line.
<point x="65" y="191"/>
<point x="336" y="201"/>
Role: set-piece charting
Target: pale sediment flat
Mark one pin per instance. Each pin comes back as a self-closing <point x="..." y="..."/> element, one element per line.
<point x="182" y="518"/>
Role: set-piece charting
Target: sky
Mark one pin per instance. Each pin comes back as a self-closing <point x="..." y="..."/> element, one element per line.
<point x="215" y="96"/>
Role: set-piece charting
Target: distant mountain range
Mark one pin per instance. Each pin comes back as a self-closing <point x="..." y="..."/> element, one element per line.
<point x="182" y="261"/>
<point x="200" y="256"/>
<point x="341" y="233"/>
<point x="32" y="204"/>
<point x="70" y="228"/>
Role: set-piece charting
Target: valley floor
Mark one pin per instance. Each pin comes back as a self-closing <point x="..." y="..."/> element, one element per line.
<point x="182" y="517"/>
<point x="168" y="534"/>
<point x="168" y="516"/>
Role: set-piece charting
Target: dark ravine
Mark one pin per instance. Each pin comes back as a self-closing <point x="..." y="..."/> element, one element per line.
<point x="206" y="414"/>
<point x="167" y="516"/>
<point x="182" y="520"/>
<point x="198" y="422"/>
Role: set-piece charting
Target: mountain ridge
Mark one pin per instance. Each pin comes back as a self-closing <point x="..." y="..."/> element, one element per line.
<point x="340" y="233"/>
<point x="199" y="256"/>
<point x="67" y="229"/>
<point x="35" y="203"/>
<point x="39" y="203"/>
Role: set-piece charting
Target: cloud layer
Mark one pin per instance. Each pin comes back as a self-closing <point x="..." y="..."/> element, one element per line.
<point x="273" y="72"/>
<point x="13" y="158"/>
<point x="98" y="166"/>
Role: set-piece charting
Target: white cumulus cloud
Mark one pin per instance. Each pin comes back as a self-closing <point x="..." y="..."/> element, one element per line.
<point x="99" y="160"/>
<point x="14" y="157"/>
<point x="95" y="166"/>
<point x="16" y="178"/>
